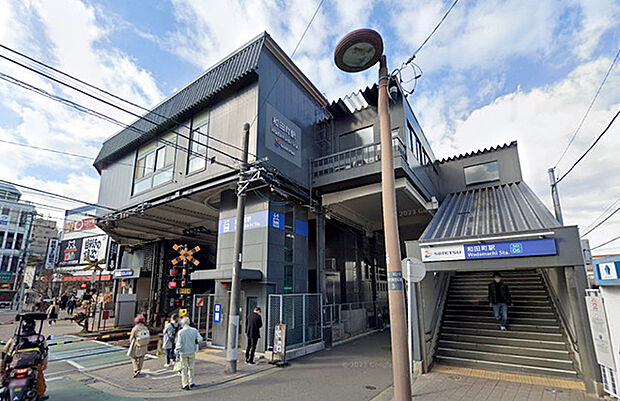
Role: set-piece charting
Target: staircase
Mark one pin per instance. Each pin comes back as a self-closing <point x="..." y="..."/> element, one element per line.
<point x="470" y="336"/>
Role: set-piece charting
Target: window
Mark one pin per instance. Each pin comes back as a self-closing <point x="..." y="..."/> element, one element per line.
<point x="481" y="173"/>
<point x="198" y="144"/>
<point x="360" y="137"/>
<point x="18" y="240"/>
<point x="9" y="240"/>
<point x="155" y="163"/>
<point x="416" y="147"/>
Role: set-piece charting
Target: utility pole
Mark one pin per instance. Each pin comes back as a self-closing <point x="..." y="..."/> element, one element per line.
<point x="398" y="326"/>
<point x="555" y="196"/>
<point x="235" y="290"/>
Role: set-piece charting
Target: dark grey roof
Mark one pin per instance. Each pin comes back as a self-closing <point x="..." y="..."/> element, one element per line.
<point x="231" y="69"/>
<point x="478" y="152"/>
<point x="498" y="209"/>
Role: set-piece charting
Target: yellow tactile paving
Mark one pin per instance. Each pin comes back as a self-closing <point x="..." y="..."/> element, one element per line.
<point x="511" y="377"/>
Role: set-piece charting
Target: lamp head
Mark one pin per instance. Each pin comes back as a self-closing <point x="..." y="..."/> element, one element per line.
<point x="358" y="50"/>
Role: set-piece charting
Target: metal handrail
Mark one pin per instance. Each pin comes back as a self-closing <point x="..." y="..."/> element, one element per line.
<point x="558" y="306"/>
<point x="355" y="157"/>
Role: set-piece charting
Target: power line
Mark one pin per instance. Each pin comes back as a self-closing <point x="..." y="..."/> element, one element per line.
<point x="605" y="243"/>
<point x="60" y="152"/>
<point x="604" y="220"/>
<point x="415" y="53"/>
<point x="107" y="102"/>
<point x="102" y="116"/>
<point x="598" y="91"/>
<point x="603" y="213"/>
<point x="32" y="59"/>
<point x="160" y="220"/>
<point x="301" y="38"/>
<point x="436" y="27"/>
<point x="590" y="148"/>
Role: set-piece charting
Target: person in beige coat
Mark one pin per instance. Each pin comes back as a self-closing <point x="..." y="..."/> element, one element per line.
<point x="138" y="344"/>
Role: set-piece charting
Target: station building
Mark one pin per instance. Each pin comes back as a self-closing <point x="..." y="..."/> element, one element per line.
<point x="313" y="251"/>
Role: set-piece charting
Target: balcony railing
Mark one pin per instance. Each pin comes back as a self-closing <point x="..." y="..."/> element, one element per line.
<point x="353" y="158"/>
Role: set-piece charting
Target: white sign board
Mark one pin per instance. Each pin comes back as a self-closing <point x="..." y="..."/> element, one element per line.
<point x="600" y="331"/>
<point x="52" y="253"/>
<point x="608" y="271"/>
<point x="442" y="252"/>
<point x="29" y="275"/>
<point x="414" y="269"/>
<point x="93" y="248"/>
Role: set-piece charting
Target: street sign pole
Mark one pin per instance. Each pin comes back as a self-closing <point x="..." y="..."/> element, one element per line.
<point x="415" y="271"/>
<point x="235" y="290"/>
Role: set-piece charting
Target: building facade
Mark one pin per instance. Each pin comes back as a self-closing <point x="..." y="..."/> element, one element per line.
<point x="16" y="219"/>
<point x="81" y="244"/>
<point x="42" y="231"/>
<point x="313" y="219"/>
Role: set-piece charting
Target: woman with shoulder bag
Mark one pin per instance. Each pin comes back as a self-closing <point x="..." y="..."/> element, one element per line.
<point x="170" y="338"/>
<point x="138" y="344"/>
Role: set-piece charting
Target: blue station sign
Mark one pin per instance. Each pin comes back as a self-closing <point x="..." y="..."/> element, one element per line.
<point x="488" y="250"/>
<point x="252" y="221"/>
<point x="511" y="249"/>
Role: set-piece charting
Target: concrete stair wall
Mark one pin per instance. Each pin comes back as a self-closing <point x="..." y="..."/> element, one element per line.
<point x="534" y="343"/>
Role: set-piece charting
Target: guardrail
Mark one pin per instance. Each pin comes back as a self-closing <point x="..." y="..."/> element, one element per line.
<point x="356" y="157"/>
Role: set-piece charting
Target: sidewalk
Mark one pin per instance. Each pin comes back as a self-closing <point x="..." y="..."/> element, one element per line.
<point x="156" y="379"/>
<point x="446" y="384"/>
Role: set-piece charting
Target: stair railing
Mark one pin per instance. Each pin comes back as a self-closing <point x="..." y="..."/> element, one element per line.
<point x="562" y="314"/>
<point x="432" y="335"/>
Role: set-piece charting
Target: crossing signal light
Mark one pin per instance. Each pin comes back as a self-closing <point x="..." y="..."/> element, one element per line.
<point x="174" y="272"/>
<point x="172" y="285"/>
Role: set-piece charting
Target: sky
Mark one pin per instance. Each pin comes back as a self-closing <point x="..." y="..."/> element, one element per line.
<point x="494" y="72"/>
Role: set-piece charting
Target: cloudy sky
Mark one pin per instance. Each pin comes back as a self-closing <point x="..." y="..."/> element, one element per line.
<point x="496" y="71"/>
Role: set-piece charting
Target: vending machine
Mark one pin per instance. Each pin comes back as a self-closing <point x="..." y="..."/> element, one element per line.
<point x="604" y="313"/>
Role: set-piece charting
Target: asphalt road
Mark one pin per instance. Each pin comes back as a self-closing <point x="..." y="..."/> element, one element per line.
<point x="355" y="371"/>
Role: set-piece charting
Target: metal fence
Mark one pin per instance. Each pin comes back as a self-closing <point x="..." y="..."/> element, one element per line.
<point x="356" y="157"/>
<point x="202" y="313"/>
<point x="349" y="319"/>
<point x="302" y="315"/>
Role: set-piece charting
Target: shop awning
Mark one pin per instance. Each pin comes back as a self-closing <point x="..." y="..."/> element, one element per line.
<point x="226" y="274"/>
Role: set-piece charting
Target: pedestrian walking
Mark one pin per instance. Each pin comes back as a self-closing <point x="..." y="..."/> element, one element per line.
<point x="253" y="323"/>
<point x="187" y="343"/>
<point x="138" y="344"/>
<point x="63" y="301"/>
<point x="71" y="306"/>
<point x="170" y="336"/>
<point x="52" y="313"/>
<point x="499" y="299"/>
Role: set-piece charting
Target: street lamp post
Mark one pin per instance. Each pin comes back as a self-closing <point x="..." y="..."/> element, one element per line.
<point x="358" y="51"/>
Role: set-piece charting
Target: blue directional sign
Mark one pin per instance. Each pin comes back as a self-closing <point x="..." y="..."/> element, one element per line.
<point x="217" y="313"/>
<point x="607" y="271"/>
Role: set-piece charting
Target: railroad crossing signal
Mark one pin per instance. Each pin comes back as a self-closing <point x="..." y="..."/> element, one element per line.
<point x="185" y="255"/>
<point x="94" y="264"/>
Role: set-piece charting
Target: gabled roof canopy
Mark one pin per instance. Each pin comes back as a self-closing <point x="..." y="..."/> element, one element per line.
<point x="492" y="210"/>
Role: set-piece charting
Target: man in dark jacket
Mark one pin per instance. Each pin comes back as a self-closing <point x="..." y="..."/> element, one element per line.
<point x="253" y="323"/>
<point x="499" y="299"/>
